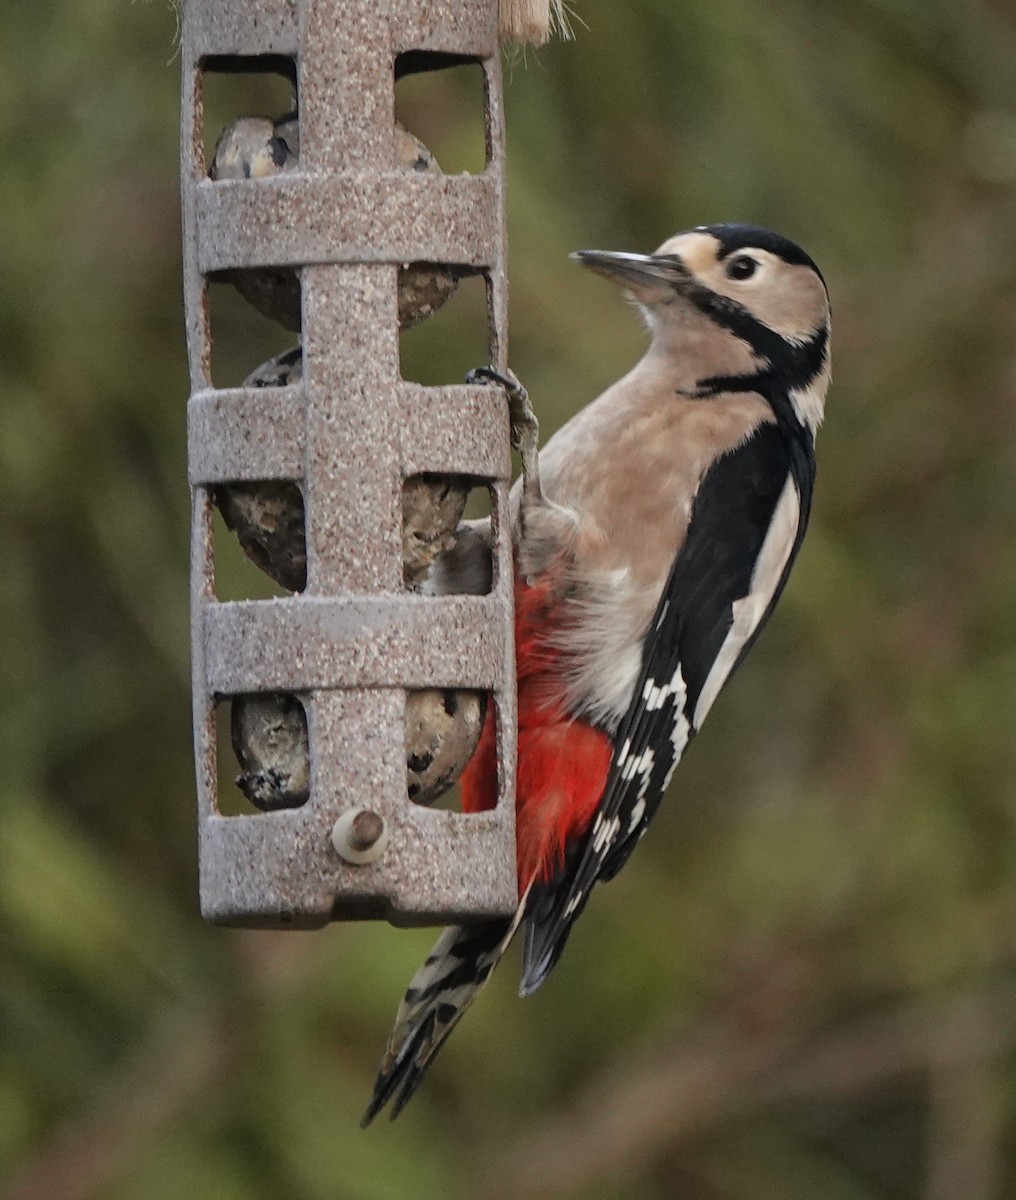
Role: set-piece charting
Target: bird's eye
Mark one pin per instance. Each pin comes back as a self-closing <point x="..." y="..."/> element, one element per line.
<point x="741" y="267"/>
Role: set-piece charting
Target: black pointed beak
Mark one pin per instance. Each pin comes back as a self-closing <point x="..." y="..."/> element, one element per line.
<point x="634" y="270"/>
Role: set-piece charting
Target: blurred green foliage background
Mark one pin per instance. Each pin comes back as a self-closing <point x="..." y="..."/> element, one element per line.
<point x="804" y="983"/>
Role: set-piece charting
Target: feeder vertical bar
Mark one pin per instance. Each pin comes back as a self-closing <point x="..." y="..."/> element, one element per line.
<point x="349" y="646"/>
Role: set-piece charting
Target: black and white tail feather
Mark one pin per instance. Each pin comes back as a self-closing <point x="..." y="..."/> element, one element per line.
<point x="438" y="995"/>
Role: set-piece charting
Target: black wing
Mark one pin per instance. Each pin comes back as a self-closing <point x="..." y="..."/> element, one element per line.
<point x="731" y="516"/>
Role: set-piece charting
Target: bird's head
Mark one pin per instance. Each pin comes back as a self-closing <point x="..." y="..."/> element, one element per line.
<point x="734" y="302"/>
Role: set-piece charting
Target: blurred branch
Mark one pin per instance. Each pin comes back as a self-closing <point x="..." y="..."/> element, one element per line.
<point x="965" y="1138"/>
<point x="718" y="1072"/>
<point x="185" y="1054"/>
<point x="966" y="1135"/>
<point x="625" y="1118"/>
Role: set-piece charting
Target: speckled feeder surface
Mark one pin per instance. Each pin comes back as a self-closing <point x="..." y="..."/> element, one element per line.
<point x="350" y="431"/>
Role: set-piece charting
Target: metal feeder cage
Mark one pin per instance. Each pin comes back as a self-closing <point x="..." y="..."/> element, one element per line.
<point x="349" y="432"/>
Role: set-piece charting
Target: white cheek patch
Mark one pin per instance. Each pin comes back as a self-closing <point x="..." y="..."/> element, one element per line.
<point x="749" y="611"/>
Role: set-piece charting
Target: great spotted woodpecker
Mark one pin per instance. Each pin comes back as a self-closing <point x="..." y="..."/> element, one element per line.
<point x="652" y="541"/>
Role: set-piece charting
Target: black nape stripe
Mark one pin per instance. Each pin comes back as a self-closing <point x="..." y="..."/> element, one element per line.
<point x="787" y="363"/>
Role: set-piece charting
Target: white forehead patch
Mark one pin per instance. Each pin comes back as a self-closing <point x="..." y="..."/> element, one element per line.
<point x="697" y="250"/>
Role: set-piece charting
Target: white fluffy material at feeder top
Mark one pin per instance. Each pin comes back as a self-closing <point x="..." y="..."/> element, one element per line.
<point x="531" y="22"/>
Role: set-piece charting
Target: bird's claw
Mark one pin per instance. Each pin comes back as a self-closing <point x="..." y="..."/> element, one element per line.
<point x="484" y="375"/>
<point x="525" y="428"/>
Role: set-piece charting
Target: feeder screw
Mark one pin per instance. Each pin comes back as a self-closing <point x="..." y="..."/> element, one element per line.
<point x="360" y="836"/>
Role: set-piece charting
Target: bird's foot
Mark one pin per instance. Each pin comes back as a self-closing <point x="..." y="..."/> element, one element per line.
<point x="525" y="428"/>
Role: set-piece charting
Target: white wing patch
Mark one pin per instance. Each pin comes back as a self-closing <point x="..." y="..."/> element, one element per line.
<point x="637" y="813"/>
<point x="750" y="609"/>
<point x="604" y="831"/>
<point x="679" y="738"/>
<point x="657" y="762"/>
<point x="656" y="696"/>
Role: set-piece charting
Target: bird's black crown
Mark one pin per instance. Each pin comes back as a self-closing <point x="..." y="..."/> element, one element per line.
<point x="742" y="237"/>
